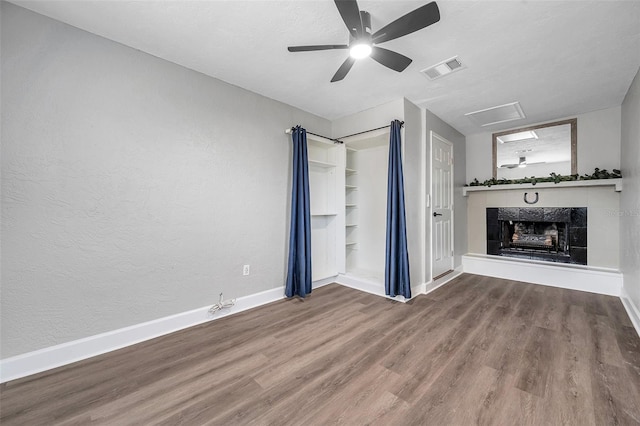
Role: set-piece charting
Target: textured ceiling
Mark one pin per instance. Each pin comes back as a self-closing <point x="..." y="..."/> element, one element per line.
<point x="557" y="58"/>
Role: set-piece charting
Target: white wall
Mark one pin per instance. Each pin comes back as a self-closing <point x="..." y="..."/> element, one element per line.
<point x="414" y="192"/>
<point x="132" y="188"/>
<point x="598" y="145"/>
<point x="478" y="154"/>
<point x="372" y="118"/>
<point x="630" y="196"/>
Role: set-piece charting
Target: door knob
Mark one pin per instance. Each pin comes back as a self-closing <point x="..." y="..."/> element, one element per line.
<point x="436" y="214"/>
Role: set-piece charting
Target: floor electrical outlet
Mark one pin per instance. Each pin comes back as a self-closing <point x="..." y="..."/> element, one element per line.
<point x="245" y="270"/>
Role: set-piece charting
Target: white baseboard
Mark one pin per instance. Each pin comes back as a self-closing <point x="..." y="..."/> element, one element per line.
<point x="77" y="350"/>
<point x="370" y="286"/>
<point x="374" y="287"/>
<point x="574" y="277"/>
<point x="596" y="281"/>
<point x="362" y="284"/>
<point x="418" y="289"/>
<point x="66" y="353"/>
<point x="632" y="310"/>
<point x="324" y="281"/>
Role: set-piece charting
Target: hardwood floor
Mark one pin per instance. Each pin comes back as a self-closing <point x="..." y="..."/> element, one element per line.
<point x="477" y="351"/>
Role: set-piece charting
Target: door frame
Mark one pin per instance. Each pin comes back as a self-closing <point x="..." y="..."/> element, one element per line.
<point x="429" y="202"/>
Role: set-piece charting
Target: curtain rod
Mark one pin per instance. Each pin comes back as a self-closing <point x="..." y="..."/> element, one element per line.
<point x="370" y="130"/>
<point x="337" y="140"/>
<point x="288" y="131"/>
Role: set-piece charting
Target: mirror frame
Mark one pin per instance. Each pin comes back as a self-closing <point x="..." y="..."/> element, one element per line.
<point x="574" y="142"/>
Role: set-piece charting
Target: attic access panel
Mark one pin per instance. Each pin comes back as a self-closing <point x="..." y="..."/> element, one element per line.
<point x="496" y="115"/>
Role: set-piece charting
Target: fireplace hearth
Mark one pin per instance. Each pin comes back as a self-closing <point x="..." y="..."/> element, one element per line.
<point x="552" y="234"/>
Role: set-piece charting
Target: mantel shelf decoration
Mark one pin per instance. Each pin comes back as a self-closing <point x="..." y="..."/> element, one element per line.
<point x="553" y="177"/>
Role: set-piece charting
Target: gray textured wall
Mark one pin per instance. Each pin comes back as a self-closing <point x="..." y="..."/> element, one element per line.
<point x="630" y="195"/>
<point x="132" y="188"/>
<point x="413" y="157"/>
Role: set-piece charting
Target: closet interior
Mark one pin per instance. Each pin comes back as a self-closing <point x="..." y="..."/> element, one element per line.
<point x="326" y="176"/>
<point x="348" y="194"/>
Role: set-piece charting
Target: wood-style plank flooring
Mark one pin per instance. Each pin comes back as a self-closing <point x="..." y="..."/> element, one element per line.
<point x="477" y="351"/>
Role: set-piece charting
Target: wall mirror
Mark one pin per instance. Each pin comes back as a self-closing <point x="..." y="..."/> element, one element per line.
<point x="536" y="151"/>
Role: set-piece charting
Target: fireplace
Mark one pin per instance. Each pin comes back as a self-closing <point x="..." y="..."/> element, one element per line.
<point x="552" y="234"/>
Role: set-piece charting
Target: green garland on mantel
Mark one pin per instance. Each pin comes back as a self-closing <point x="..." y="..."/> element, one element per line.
<point x="553" y="177"/>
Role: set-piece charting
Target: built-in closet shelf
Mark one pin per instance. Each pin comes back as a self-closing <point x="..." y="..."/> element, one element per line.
<point x="324" y="214"/>
<point x="352" y="206"/>
<point x="350" y="225"/>
<point x="322" y="164"/>
<point x="351" y="187"/>
<point x="350" y="171"/>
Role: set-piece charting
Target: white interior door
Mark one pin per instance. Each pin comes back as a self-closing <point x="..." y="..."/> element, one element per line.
<point x="441" y="205"/>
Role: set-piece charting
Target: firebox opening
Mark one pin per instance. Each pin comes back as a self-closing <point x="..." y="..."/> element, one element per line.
<point x="547" y="234"/>
<point x="542" y="237"/>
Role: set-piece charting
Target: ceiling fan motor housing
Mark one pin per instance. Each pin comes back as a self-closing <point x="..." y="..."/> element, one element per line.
<point x="365" y="17"/>
<point x="364" y="36"/>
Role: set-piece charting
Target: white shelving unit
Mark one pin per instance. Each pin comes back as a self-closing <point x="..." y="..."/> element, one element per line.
<point x="366" y="160"/>
<point x="321" y="164"/>
<point x="351" y="208"/>
<point x="326" y="162"/>
<point x="347" y="186"/>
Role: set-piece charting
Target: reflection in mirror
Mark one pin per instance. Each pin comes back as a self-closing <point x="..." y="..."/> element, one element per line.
<point x="536" y="151"/>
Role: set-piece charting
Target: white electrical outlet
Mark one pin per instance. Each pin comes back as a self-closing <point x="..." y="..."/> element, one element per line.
<point x="245" y="270"/>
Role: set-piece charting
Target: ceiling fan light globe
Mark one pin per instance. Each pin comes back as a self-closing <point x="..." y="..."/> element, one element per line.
<point x="360" y="50"/>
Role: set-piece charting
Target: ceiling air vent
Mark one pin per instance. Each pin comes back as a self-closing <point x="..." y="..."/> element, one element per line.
<point x="443" y="68"/>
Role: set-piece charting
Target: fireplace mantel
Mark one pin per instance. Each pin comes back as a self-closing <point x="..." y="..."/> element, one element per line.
<point x="616" y="183"/>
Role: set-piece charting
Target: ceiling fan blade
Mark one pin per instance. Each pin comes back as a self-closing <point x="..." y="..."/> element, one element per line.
<point x="350" y="13"/>
<point x="412" y="21"/>
<point x="343" y="70"/>
<point x="509" y="166"/>
<point x="317" y="47"/>
<point x="390" y="59"/>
